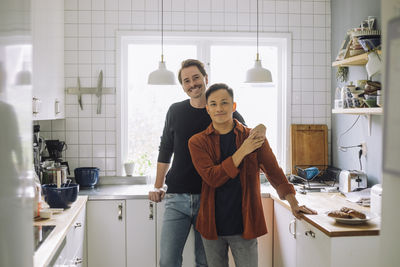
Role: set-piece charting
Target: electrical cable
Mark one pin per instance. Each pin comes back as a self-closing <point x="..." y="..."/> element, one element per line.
<point x="344" y="148"/>
<point x="359" y="158"/>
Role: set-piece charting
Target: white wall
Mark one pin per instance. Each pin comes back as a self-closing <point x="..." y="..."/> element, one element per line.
<point x="90" y="27"/>
<point x="352" y="13"/>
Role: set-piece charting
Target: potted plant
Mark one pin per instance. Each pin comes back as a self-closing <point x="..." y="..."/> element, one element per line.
<point x="342" y="74"/>
<point x="129" y="166"/>
<point x="143" y="164"/>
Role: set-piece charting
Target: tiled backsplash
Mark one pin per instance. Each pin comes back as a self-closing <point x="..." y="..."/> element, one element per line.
<point x="90" y="27"/>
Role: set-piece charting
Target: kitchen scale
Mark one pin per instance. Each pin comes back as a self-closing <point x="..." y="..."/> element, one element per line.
<point x="40" y="233"/>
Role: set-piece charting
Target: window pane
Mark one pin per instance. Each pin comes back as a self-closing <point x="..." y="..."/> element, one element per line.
<point x="256" y="103"/>
<point x="148" y="104"/>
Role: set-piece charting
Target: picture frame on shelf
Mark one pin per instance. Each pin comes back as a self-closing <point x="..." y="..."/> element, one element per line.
<point x="344" y="48"/>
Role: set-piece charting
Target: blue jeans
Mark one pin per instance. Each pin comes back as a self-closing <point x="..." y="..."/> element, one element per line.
<point x="244" y="251"/>
<point x="179" y="216"/>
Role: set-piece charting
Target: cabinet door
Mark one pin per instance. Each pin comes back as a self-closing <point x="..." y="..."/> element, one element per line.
<point x="140" y="233"/>
<point x="106" y="233"/>
<point x="313" y="246"/>
<point x="48" y="58"/>
<point x="188" y="251"/>
<point x="284" y="237"/>
<point x="76" y="240"/>
<point x="265" y="246"/>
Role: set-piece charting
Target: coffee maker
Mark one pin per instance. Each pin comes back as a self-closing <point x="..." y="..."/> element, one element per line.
<point x="38" y="148"/>
<point x="55" y="149"/>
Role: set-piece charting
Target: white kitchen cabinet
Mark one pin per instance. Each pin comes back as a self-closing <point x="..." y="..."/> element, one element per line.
<point x="312" y="246"/>
<point x="72" y="251"/>
<point x="106" y="222"/>
<point x="140" y="233"/>
<point x="188" y="252"/>
<point x="265" y="242"/>
<point x="48" y="59"/>
<point x="284" y="237"/>
<point x="298" y="243"/>
<point x="315" y="249"/>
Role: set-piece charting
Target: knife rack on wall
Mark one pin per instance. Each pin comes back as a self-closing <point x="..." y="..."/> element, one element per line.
<point x="98" y="91"/>
<point x="89" y="90"/>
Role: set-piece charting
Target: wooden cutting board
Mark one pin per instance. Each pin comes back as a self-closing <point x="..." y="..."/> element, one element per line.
<point x="309" y="145"/>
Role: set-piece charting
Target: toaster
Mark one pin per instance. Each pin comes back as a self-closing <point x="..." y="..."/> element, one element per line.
<point x="352" y="181"/>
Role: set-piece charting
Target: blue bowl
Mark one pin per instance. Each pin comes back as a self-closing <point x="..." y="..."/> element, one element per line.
<point x="87" y="176"/>
<point x="61" y="197"/>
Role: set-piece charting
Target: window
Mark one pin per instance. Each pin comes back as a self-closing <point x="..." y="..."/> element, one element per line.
<point x="143" y="106"/>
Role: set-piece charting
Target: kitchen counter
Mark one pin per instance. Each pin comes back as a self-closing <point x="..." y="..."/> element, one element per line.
<point x="63" y="222"/>
<point x="129" y="191"/>
<point x="321" y="202"/>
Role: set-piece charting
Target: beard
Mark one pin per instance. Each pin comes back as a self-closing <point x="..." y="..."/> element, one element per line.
<point x="198" y="89"/>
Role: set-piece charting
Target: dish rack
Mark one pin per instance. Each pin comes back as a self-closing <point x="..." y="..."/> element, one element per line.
<point x="327" y="174"/>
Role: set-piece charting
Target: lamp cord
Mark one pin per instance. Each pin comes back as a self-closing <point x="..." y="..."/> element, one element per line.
<point x="162" y="30"/>
<point x="257" y="31"/>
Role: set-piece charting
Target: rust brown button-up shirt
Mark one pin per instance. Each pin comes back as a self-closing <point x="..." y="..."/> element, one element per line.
<point x="205" y="152"/>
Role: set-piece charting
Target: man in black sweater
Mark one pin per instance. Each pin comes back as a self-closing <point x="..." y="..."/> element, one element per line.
<point x="183" y="120"/>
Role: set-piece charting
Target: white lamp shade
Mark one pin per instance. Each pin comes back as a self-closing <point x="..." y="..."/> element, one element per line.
<point x="258" y="74"/>
<point x="161" y="76"/>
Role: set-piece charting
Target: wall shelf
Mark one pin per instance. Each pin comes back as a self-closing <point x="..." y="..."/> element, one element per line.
<point x="367" y="112"/>
<point x="358" y="111"/>
<point x="358" y="60"/>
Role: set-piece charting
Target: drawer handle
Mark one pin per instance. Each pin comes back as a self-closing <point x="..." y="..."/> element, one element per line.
<point x="77" y="224"/>
<point x="310" y="233"/>
<point x="120" y="211"/>
<point x="293" y="222"/>
<point x="78" y="261"/>
<point x="151" y="210"/>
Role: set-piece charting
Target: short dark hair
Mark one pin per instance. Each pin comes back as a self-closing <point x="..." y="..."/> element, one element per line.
<point x="191" y="62"/>
<point x="219" y="86"/>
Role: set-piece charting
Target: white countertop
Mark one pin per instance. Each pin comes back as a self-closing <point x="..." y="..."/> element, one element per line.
<point x="62" y="222"/>
<point x="129" y="191"/>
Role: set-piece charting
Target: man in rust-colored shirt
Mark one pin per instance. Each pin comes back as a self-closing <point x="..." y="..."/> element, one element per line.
<point x="228" y="158"/>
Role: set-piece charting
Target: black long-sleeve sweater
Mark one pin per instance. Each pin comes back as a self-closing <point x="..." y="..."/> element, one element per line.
<point x="181" y="123"/>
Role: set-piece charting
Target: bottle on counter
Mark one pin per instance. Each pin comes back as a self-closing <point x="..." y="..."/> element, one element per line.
<point x="37" y="201"/>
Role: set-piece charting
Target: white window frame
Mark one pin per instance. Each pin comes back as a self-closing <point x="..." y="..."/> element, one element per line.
<point x="281" y="40"/>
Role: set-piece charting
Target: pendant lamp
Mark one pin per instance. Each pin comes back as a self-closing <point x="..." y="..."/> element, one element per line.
<point x="258" y="74"/>
<point x="162" y="76"/>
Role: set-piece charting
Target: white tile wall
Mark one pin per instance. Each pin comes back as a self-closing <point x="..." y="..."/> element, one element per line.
<point x="90" y="27"/>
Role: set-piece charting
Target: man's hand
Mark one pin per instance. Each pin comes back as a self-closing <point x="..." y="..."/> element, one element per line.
<point x="296" y="209"/>
<point x="255" y="140"/>
<point x="157" y="194"/>
<point x="252" y="142"/>
<point x="260" y="131"/>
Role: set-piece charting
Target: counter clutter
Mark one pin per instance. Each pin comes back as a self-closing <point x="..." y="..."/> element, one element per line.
<point x="325" y="202"/>
<point x="49" y="250"/>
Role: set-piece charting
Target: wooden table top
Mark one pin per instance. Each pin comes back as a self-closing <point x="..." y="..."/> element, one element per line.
<point x="324" y="202"/>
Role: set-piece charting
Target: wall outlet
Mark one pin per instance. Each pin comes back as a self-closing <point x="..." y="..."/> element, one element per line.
<point x="364" y="148"/>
